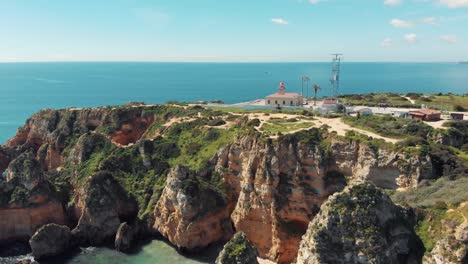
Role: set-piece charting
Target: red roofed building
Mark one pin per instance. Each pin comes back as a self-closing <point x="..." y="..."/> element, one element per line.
<point x="425" y="114"/>
<point x="282" y="98"/>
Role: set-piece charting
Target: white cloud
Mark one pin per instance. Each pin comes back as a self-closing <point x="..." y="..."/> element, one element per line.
<point x="392" y="2"/>
<point x="430" y="21"/>
<point x="398" y="23"/>
<point x="387" y="42"/>
<point x="454" y="3"/>
<point x="279" y="21"/>
<point x="411" y="38"/>
<point x="449" y="38"/>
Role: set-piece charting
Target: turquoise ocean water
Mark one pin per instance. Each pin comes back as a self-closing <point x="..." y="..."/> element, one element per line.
<point x="26" y="88"/>
<point x="152" y="252"/>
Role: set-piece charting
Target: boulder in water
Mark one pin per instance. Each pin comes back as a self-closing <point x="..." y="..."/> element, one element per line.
<point x="50" y="240"/>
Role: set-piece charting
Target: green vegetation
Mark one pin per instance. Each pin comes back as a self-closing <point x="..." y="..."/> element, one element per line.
<point x="372" y="99"/>
<point x="448" y="102"/>
<point x="374" y="143"/>
<point x="389" y="126"/>
<point x="237" y="250"/>
<point x="451" y="192"/>
<point x="438" y="204"/>
<point x="198" y="144"/>
<point x="275" y="126"/>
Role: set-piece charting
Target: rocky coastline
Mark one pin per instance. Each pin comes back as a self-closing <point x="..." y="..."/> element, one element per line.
<point x="117" y="175"/>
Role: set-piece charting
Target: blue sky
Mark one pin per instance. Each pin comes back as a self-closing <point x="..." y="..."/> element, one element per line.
<point x="250" y="30"/>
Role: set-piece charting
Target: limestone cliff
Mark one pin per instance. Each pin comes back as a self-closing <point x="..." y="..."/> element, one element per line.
<point x="103" y="204"/>
<point x="275" y="188"/>
<point x="360" y="225"/>
<point x="166" y="167"/>
<point x="190" y="212"/>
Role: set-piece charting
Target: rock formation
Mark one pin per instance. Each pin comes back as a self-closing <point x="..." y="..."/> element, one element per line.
<point x="94" y="169"/>
<point x="191" y="213"/>
<point x="237" y="251"/>
<point x="124" y="237"/>
<point x="50" y="240"/>
<point x="360" y="225"/>
<point x="103" y="204"/>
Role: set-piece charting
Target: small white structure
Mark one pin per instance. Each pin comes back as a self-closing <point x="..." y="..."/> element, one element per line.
<point x="364" y="111"/>
<point x="281" y="98"/>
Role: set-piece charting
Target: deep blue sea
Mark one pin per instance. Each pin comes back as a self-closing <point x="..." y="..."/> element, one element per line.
<point x="26" y="88"/>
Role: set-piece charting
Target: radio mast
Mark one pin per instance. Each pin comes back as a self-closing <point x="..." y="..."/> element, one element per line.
<point x="335" y="76"/>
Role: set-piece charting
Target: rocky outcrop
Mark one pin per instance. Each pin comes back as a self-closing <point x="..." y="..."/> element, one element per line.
<point x="104" y="204"/>
<point x="453" y="247"/>
<point x="124" y="237"/>
<point x="26" y="200"/>
<point x="448" y="250"/>
<point x="360" y="225"/>
<point x="276" y="197"/>
<point x="237" y="251"/>
<point x="386" y="169"/>
<point x="50" y="240"/>
<point x="191" y="214"/>
<point x="49" y="132"/>
<point x="25" y="170"/>
<point x="272" y="198"/>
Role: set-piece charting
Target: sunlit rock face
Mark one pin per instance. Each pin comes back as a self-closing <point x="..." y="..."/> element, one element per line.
<point x="361" y="225"/>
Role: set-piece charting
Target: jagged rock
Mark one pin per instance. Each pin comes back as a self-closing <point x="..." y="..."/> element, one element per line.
<point x="50" y="240"/>
<point x="191" y="214"/>
<point x="25" y="170"/>
<point x="103" y="204"/>
<point x="461" y="232"/>
<point x="237" y="251"/>
<point x="448" y="250"/>
<point x="360" y="225"/>
<point x="124" y="237"/>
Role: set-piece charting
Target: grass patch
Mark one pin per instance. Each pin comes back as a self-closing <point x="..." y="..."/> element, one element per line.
<point x="372" y="99"/>
<point x="198" y="144"/>
<point x="447" y="102"/>
<point x="275" y="126"/>
<point x="389" y="126"/>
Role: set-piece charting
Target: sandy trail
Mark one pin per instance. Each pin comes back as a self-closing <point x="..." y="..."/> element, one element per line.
<point x="336" y="124"/>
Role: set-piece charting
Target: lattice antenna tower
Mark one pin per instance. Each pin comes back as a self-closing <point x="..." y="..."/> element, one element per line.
<point x="335" y="75"/>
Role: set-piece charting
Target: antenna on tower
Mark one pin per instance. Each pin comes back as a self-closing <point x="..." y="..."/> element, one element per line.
<point x="335" y="75"/>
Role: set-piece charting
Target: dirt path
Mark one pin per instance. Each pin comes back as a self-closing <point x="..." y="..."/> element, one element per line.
<point x="335" y="125"/>
<point x="411" y="100"/>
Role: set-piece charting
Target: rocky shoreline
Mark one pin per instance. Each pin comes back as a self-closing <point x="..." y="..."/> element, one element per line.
<point x="117" y="175"/>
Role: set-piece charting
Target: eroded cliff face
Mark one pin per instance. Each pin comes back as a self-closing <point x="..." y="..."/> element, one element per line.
<point x="275" y="188"/>
<point x="361" y="225"/>
<point x="191" y="214"/>
<point x="268" y="189"/>
<point x="21" y="223"/>
<point x="103" y="204"/>
<point x="49" y="132"/>
<point x="27" y="200"/>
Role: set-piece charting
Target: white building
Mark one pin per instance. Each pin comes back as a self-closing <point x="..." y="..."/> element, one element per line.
<point x="281" y="98"/>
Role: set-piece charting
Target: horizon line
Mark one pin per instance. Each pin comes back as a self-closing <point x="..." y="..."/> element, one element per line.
<point x="155" y="61"/>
